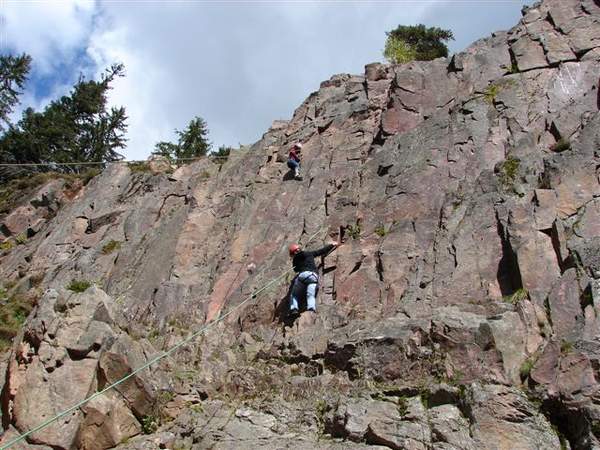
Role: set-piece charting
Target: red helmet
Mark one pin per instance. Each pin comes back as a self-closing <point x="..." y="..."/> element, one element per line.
<point x="294" y="248"/>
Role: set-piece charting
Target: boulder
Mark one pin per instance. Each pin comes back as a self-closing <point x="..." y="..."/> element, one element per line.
<point x="504" y="419"/>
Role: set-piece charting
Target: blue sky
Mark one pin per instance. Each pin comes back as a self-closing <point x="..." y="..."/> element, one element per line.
<point x="238" y="64"/>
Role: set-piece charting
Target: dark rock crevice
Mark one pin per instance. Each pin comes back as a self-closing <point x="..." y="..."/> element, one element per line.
<point x="572" y="423"/>
<point x="508" y="274"/>
<point x="94" y="224"/>
<point x="164" y="202"/>
<point x="379" y="265"/>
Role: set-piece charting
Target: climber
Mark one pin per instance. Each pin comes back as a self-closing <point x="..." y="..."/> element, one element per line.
<point x="307" y="279"/>
<point x="294" y="160"/>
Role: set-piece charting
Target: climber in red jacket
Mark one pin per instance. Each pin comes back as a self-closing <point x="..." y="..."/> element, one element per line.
<point x="294" y="160"/>
<point x="307" y="279"/>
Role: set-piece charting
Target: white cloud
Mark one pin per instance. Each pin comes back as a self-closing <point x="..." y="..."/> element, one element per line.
<point x="238" y="65"/>
<point x="50" y="31"/>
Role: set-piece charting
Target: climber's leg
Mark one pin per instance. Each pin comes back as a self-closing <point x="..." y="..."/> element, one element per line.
<point x="311" y="297"/>
<point x="297" y="291"/>
<point x="293" y="165"/>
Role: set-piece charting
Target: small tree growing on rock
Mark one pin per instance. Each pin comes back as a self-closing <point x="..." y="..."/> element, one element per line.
<point x="416" y="42"/>
<point x="191" y="143"/>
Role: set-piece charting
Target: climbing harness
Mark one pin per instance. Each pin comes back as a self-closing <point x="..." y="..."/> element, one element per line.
<point x="310" y="279"/>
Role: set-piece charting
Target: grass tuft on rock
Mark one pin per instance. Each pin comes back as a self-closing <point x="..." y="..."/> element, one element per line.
<point x="490" y="93"/>
<point x="354" y="231"/>
<point x="15" y="191"/>
<point x="566" y="347"/>
<point x="13" y="312"/>
<point x="402" y="406"/>
<point x="517" y="296"/>
<point x="380" y="231"/>
<point x="6" y="245"/>
<point x="79" y="286"/>
<point x="111" y="246"/>
<point x="149" y="424"/>
<point x="561" y="145"/>
<point x="508" y="171"/>
<point x="526" y="367"/>
<point x="139" y="167"/>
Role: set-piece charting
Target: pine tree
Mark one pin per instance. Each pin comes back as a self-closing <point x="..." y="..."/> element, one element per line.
<point x="191" y="143"/>
<point x="193" y="140"/>
<point x="76" y="127"/>
<point x="13" y="74"/>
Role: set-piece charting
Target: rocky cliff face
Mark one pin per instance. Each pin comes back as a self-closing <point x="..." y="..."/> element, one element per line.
<point x="460" y="313"/>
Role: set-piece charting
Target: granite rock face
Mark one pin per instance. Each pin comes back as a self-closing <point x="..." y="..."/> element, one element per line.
<point x="461" y="311"/>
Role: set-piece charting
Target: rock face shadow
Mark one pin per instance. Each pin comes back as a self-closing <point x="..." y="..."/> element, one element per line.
<point x="282" y="309"/>
<point x="598" y="88"/>
<point x="288" y="176"/>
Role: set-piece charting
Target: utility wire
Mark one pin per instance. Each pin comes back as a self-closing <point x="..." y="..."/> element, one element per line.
<point x="88" y="163"/>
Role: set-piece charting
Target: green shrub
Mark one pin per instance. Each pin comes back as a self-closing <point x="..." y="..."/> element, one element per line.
<point x="561" y="145"/>
<point x="517" y="296"/>
<point x="6" y="245"/>
<point x="397" y="51"/>
<point x="409" y="42"/>
<point x="21" y="238"/>
<point x="149" y="424"/>
<point x="111" y="246"/>
<point x="78" y="285"/>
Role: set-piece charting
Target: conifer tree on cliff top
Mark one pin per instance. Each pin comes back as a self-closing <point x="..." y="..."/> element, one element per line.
<point x="416" y="42"/>
<point x="77" y="127"/>
<point x="193" y="140"/>
<point x="191" y="143"/>
<point x="13" y="74"/>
